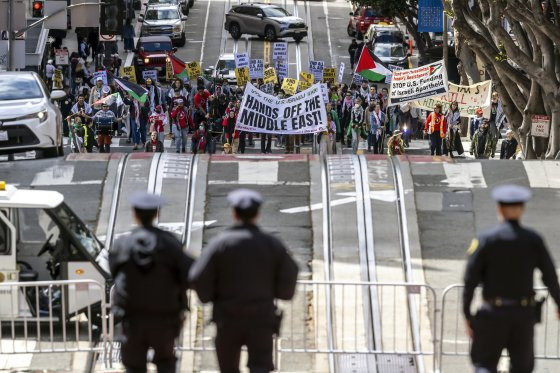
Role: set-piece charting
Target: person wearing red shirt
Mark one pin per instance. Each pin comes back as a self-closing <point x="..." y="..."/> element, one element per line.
<point x="436" y="127"/>
<point x="154" y="145"/>
<point x="200" y="105"/>
<point x="157" y="121"/>
<point x="179" y="115"/>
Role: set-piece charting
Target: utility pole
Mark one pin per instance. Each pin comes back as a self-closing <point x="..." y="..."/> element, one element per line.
<point x="10" y="36"/>
<point x="445" y="42"/>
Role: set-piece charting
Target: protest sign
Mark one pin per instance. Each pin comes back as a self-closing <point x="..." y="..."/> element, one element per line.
<point x="389" y="77"/>
<point x="193" y="70"/>
<point x="303" y="85"/>
<point x="329" y="74"/>
<point x="282" y="69"/>
<point x="241" y="60"/>
<point x="168" y="70"/>
<point x="325" y="92"/>
<point x="300" y="114"/>
<point x="415" y="84"/>
<point x="340" y="72"/>
<point x="289" y="86"/>
<point x="129" y="72"/>
<point x="280" y="51"/>
<point x="316" y="68"/>
<point x="57" y="79"/>
<point x="242" y="75"/>
<point x="256" y="68"/>
<point x="267" y="88"/>
<point x="306" y="77"/>
<point x="357" y="79"/>
<point x="61" y="56"/>
<point x="100" y="74"/>
<point x="540" y="125"/>
<point x="270" y="75"/>
<point x="468" y="97"/>
<point x="152" y="74"/>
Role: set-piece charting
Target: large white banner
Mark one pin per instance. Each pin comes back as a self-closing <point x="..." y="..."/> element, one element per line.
<point x="415" y="84"/>
<point x="469" y="98"/>
<point x="301" y="113"/>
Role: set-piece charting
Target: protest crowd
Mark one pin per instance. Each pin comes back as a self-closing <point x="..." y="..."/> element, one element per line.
<point x="198" y="113"/>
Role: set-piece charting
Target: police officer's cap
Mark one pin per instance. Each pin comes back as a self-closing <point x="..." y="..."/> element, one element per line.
<point x="244" y="199"/>
<point x="146" y="201"/>
<point x="510" y="194"/>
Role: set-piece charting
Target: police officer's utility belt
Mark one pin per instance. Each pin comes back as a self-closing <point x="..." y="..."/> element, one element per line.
<point x="507" y="302"/>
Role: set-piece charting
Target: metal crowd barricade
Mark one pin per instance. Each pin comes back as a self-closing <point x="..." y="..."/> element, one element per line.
<point x="304" y="338"/>
<point x="35" y="317"/>
<point x="455" y="344"/>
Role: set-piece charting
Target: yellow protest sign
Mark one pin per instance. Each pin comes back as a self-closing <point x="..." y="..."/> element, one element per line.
<point x="303" y="85"/>
<point x="270" y="75"/>
<point x="129" y="72"/>
<point x="168" y="70"/>
<point x="306" y="77"/>
<point x="289" y="86"/>
<point x="242" y="76"/>
<point x="193" y="70"/>
<point x="57" y="79"/>
<point x="329" y="74"/>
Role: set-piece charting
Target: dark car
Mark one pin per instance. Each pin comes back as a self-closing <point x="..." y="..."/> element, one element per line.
<point x="152" y="52"/>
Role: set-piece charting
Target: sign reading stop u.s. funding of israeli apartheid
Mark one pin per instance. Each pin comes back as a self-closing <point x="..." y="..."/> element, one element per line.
<point x="301" y="113"/>
<point x="415" y="84"/>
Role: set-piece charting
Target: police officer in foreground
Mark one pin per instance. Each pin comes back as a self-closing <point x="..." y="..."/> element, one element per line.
<point x="150" y="271"/>
<point x="503" y="260"/>
<point x="242" y="271"/>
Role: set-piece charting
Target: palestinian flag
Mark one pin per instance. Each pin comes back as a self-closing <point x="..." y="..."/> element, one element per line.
<point x="179" y="67"/>
<point x="115" y="97"/>
<point x="136" y="91"/>
<point x="370" y="68"/>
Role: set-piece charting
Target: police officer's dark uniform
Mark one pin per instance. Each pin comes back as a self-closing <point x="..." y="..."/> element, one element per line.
<point x="242" y="271"/>
<point x="150" y="271"/>
<point x="503" y="260"/>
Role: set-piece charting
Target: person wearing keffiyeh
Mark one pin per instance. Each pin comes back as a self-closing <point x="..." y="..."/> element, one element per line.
<point x="345" y="114"/>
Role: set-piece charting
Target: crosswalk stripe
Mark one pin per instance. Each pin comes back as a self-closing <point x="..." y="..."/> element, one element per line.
<point x="257" y="172"/>
<point x="543" y="174"/>
<point x="464" y="175"/>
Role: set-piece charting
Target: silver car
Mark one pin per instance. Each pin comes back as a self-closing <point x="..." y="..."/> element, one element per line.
<point x="164" y="20"/>
<point x="265" y="20"/>
<point x="29" y="119"/>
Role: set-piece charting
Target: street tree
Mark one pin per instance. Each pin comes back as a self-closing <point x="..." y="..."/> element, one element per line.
<point x="523" y="60"/>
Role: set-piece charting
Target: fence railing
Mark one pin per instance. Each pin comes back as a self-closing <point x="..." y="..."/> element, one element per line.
<point x="52" y="316"/>
<point x="35" y="317"/>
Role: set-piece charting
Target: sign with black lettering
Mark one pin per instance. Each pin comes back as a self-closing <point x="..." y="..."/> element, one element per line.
<point x="193" y="70"/>
<point x="280" y="51"/>
<point x="289" y="86"/>
<point x="241" y="60"/>
<point x="340" y="73"/>
<point x="282" y="69"/>
<point x="415" y="84"/>
<point x="316" y="68"/>
<point x="256" y="68"/>
<point x="270" y="75"/>
<point x="301" y="113"/>
<point x="242" y="76"/>
<point x="57" y="79"/>
<point x="329" y="74"/>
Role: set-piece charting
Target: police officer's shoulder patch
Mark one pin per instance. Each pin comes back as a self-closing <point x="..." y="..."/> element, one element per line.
<point x="472" y="248"/>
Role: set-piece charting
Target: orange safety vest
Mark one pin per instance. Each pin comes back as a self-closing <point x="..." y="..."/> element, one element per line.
<point x="433" y="123"/>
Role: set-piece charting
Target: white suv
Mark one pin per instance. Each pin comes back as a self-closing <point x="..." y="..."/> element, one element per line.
<point x="29" y="120"/>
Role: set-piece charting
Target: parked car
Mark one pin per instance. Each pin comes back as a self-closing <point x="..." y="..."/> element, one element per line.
<point x="265" y="20"/>
<point x="362" y="18"/>
<point x="164" y="20"/>
<point x="182" y="4"/>
<point x="152" y="51"/>
<point x="29" y="118"/>
<point x="385" y="34"/>
<point x="392" y="53"/>
<point x="224" y="69"/>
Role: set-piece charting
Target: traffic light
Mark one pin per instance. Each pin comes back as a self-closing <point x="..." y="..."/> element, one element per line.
<point x="38" y="9"/>
<point x="111" y="18"/>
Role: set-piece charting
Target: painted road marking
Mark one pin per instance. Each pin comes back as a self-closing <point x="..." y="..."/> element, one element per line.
<point x="257" y="172"/>
<point x="381" y="195"/>
<point x="543" y="174"/>
<point x="237" y="182"/>
<point x="59" y="175"/>
<point x="464" y="175"/>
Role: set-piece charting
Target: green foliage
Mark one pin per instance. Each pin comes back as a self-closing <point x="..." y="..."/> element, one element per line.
<point x="502" y="55"/>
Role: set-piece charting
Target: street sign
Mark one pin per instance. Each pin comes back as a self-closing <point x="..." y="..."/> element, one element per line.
<point x="430" y="16"/>
<point x="540" y="125"/>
